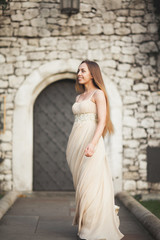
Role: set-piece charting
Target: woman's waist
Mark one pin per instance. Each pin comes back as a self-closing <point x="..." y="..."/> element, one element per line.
<point x="85" y="117"/>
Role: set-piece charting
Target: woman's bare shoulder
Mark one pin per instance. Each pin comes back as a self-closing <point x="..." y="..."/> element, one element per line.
<point x="99" y="93"/>
<point x="77" y="97"/>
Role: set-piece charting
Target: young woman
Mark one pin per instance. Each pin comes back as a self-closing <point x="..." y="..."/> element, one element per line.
<point x="96" y="213"/>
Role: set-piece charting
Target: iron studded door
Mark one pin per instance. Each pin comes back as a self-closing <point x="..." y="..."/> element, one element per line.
<point x="53" y="121"/>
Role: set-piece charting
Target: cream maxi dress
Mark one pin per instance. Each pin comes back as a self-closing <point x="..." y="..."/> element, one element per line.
<point x="96" y="213"/>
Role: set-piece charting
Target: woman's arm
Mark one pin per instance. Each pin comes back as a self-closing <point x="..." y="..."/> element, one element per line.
<point x="101" y="111"/>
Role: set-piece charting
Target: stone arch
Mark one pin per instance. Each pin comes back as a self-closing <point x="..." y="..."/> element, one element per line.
<point x="23" y="122"/>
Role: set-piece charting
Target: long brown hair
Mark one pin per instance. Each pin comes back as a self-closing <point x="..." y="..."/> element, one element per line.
<point x="98" y="82"/>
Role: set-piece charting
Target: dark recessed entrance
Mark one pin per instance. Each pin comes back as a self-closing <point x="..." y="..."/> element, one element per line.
<point x="53" y="120"/>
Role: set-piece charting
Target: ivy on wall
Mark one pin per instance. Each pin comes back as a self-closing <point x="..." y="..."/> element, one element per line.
<point x="4" y="4"/>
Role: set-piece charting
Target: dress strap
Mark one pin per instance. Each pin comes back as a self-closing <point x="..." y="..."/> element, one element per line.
<point x="93" y="94"/>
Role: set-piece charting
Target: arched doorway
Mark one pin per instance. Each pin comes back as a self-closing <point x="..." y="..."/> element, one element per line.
<point x="52" y="122"/>
<point x="23" y="122"/>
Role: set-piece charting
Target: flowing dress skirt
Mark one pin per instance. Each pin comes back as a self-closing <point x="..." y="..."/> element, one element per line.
<point x="96" y="213"/>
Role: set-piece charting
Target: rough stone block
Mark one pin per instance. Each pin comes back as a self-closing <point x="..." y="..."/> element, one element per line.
<point x="128" y="162"/>
<point x="38" y="22"/>
<point x="15" y="82"/>
<point x="131" y="175"/>
<point x="124" y="67"/>
<point x="44" y="12"/>
<point x="142" y="185"/>
<point x="6" y="185"/>
<point x="108" y="29"/>
<point x="126" y="132"/>
<point x="140" y="87"/>
<point x="133" y="168"/>
<point x="153" y="143"/>
<point x="129" y="185"/>
<point x="6" y="69"/>
<point x="7" y="136"/>
<point x="6" y="31"/>
<point x="43" y="32"/>
<point x="115" y="49"/>
<point x="148" y="47"/>
<point x="122" y="12"/>
<point x="127" y="58"/>
<point x="8" y="177"/>
<point x="141" y="58"/>
<point x="123" y="31"/>
<point x="3" y="84"/>
<point x="128" y="112"/>
<point x="131" y="143"/>
<point x="130" y="50"/>
<point x="51" y="55"/>
<point x="63" y="44"/>
<point x="22" y="71"/>
<point x="109" y="16"/>
<point x="15" y="5"/>
<point x="152" y="28"/>
<point x="151" y="108"/>
<point x="2" y="58"/>
<point x="143" y="165"/>
<point x="136" y="13"/>
<point x="139" y="5"/>
<point x="95" y="54"/>
<point x="49" y="41"/>
<point x="112" y="4"/>
<point x="110" y="63"/>
<point x="30" y="4"/>
<point x="1" y="177"/>
<point x="80" y="44"/>
<point x="129" y="121"/>
<point x="31" y="13"/>
<point x="95" y="29"/>
<point x="85" y="7"/>
<point x="18" y="17"/>
<point x="64" y="55"/>
<point x="27" y="31"/>
<point x="139" y="133"/>
<point x="121" y="74"/>
<point x="6" y="146"/>
<point x="35" y="42"/>
<point x="148" y="71"/>
<point x="147" y="122"/>
<point x="130" y="153"/>
<point x="138" y="28"/>
<point x="121" y="19"/>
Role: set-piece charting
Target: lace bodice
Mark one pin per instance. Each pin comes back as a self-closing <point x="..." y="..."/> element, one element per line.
<point x="85" y="106"/>
<point x="85" y="110"/>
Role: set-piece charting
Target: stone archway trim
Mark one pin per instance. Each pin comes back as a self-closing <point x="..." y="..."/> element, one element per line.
<point x="23" y="120"/>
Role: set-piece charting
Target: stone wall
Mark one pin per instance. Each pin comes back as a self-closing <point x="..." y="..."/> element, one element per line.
<point x="122" y="36"/>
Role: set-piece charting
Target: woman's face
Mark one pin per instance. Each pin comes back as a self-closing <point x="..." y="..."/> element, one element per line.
<point x="84" y="75"/>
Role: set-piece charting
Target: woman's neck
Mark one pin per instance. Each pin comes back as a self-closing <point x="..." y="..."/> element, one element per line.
<point x="89" y="88"/>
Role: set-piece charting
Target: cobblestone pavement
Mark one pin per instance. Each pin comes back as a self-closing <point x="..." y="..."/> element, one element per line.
<point x="48" y="216"/>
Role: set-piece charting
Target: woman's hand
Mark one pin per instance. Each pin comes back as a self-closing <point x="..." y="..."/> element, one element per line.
<point x="89" y="151"/>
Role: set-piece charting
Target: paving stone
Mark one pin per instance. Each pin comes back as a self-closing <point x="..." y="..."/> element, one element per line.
<point x="16" y="236"/>
<point x="53" y="219"/>
<point x="18" y="224"/>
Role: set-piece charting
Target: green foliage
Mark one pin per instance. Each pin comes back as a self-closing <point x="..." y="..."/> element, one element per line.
<point x="152" y="205"/>
<point x="4" y="4"/>
<point x="1" y="195"/>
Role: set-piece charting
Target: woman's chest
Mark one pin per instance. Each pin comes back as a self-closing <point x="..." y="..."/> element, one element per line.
<point x="84" y="107"/>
